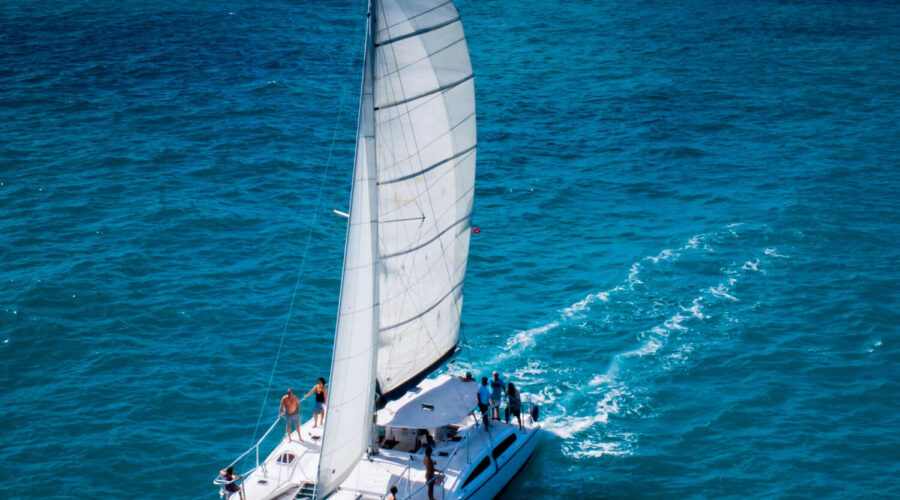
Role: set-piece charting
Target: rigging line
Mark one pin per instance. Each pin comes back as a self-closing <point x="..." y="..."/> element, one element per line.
<point x="302" y="261"/>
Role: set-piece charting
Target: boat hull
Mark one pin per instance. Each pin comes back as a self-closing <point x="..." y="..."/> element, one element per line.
<point x="503" y="471"/>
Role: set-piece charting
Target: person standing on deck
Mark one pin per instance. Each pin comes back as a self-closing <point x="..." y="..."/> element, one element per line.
<point x="496" y="393"/>
<point x="484" y="397"/>
<point x="290" y="408"/>
<point x="514" y="405"/>
<point x="321" y="396"/>
<point x="429" y="472"/>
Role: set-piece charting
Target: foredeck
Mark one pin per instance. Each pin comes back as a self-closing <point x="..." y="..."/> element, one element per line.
<point x="288" y="467"/>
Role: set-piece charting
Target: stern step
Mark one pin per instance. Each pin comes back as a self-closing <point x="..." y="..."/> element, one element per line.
<point x="307" y="491"/>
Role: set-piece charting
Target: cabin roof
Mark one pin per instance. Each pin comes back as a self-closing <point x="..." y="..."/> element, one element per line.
<point x="441" y="401"/>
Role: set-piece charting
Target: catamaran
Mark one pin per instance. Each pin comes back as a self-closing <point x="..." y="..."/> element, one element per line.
<point x="401" y="291"/>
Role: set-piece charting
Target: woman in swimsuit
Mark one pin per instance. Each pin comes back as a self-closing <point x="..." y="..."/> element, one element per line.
<point x="321" y="396"/>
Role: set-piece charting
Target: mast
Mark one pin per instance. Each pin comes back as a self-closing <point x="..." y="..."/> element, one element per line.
<point x="348" y="421"/>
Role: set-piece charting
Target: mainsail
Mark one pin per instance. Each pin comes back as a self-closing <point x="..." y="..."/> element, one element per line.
<point x="408" y="234"/>
<point x="425" y="152"/>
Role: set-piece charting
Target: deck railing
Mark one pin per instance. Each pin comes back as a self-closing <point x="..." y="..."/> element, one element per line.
<point x="219" y="481"/>
<point x="406" y="472"/>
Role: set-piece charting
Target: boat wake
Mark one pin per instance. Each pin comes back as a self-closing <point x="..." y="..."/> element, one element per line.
<point x="668" y="310"/>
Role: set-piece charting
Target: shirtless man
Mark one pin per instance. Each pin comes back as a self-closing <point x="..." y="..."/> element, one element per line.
<point x="429" y="472"/>
<point x="290" y="408"/>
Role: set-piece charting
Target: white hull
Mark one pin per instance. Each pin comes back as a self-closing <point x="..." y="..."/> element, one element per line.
<point x="466" y="459"/>
<point x="461" y="460"/>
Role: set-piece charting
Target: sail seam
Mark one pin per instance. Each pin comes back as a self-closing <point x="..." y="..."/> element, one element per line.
<point x="419" y="32"/>
<point x="426" y="94"/>
<point x="423" y="245"/>
<point x="420" y="14"/>
<point x="426" y="311"/>
<point x="429" y="168"/>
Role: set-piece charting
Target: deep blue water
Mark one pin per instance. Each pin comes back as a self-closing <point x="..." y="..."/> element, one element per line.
<point x="688" y="255"/>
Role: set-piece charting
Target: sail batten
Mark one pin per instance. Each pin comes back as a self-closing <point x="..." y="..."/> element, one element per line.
<point x="429" y="168"/>
<point x="421" y="31"/>
<point x="465" y="219"/>
<point x="426" y="93"/>
<point x="456" y="288"/>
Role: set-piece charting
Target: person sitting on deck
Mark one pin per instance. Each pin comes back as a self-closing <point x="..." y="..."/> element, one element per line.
<point x="393" y="494"/>
<point x="290" y="408"/>
<point x="229" y="478"/>
<point x="484" y="395"/>
<point x="468" y="377"/>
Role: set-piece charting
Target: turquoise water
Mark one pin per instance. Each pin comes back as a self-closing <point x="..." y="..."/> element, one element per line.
<point x="688" y="255"/>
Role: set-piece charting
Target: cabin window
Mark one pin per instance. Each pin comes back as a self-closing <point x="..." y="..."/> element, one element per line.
<point x="503" y="446"/>
<point x="485" y="462"/>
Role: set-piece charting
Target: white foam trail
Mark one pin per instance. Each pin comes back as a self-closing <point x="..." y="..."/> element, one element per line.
<point x="633" y="275"/>
<point x="674" y="323"/>
<point x="722" y="291"/>
<point x="874" y="345"/>
<point x="601" y="449"/>
<point x="523" y="340"/>
<point x="529" y="374"/>
<point x="608" y="378"/>
<point x="666" y="254"/>
<point x="584" y="304"/>
<point x="772" y="252"/>
<point x="696" y="309"/>
<point x="752" y="265"/>
<point x="566" y="426"/>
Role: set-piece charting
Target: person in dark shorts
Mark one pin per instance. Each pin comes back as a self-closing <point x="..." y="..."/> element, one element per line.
<point x="514" y="405"/>
<point x="496" y="393"/>
<point x="229" y="478"/>
<point x="321" y="396"/>
<point x="484" y="397"/>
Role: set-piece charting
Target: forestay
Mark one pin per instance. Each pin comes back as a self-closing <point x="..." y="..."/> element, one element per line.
<point x="352" y="385"/>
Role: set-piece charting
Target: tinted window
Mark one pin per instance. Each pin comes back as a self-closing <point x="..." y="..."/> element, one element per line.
<point x="485" y="462"/>
<point x="504" y="445"/>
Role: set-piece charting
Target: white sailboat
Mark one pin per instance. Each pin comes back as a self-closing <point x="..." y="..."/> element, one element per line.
<point x="401" y="290"/>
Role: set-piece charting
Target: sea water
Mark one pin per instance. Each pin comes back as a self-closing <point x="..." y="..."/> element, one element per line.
<point x="689" y="217"/>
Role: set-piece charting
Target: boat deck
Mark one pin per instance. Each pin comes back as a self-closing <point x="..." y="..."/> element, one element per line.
<point x="473" y="463"/>
<point x="373" y="478"/>
<point x="290" y="465"/>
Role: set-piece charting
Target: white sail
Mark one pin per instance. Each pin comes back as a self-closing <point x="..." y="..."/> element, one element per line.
<point x="348" y="421"/>
<point x="425" y="152"/>
<point x="408" y="236"/>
